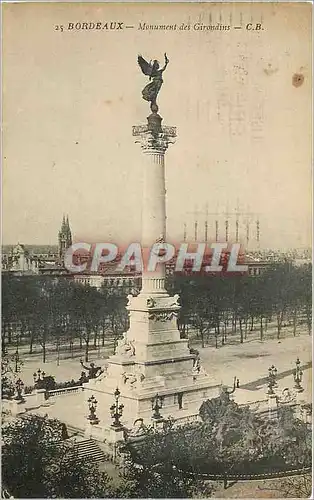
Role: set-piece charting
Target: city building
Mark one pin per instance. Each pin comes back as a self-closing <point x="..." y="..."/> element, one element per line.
<point x="64" y="238"/>
<point x="38" y="259"/>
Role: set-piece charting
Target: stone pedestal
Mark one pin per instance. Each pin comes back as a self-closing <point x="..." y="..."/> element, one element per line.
<point x="300" y="404"/>
<point x="115" y="434"/>
<point x="152" y="358"/>
<point x="88" y="429"/>
<point x="306" y="413"/>
<point x="272" y="406"/>
<point x="40" y="396"/>
<point x="16" y="407"/>
<point x="299" y="396"/>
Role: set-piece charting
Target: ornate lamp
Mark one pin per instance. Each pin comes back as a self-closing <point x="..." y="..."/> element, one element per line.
<point x="298" y="375"/>
<point x="156" y="406"/>
<point x="92" y="403"/>
<point x="116" y="410"/>
<point x="38" y="376"/>
<point x="272" y="374"/>
<point x="19" y="388"/>
<point x="17" y="359"/>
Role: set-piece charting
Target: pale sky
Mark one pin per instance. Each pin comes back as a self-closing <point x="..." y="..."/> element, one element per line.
<point x="70" y="100"/>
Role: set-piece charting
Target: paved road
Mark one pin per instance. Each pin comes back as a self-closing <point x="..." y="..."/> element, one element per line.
<point x="249" y="362"/>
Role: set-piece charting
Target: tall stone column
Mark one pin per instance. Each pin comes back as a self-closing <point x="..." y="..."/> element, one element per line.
<point x="153" y="303"/>
<point x="154" y="140"/>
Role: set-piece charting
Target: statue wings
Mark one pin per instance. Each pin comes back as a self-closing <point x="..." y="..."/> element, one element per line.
<point x="145" y="66"/>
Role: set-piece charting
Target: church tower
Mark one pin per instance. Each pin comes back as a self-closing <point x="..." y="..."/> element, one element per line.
<point x="64" y="238"/>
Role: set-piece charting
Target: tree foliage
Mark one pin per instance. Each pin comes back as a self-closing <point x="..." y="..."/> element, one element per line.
<point x="230" y="440"/>
<point x="217" y="306"/>
<point x="10" y="368"/>
<point x="38" y="463"/>
<point x="45" y="310"/>
<point x="162" y="480"/>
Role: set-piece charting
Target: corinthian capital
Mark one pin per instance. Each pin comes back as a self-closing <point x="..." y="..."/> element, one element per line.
<point x="154" y="140"/>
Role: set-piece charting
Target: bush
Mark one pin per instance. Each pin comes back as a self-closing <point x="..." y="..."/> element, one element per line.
<point x="69" y="383"/>
<point x="28" y="389"/>
<point x="7" y="388"/>
<point x="50" y="384"/>
<point x="231" y="440"/>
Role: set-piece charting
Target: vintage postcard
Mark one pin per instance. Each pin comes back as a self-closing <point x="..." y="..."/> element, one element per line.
<point x="156" y="250"/>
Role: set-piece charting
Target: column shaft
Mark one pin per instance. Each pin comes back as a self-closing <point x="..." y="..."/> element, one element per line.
<point x="153" y="215"/>
<point x="154" y="141"/>
<point x="154" y="202"/>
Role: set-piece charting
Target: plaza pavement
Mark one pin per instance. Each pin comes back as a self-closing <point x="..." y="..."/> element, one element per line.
<point x="248" y="362"/>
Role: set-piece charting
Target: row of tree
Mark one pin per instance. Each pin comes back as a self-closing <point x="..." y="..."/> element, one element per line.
<point x="37" y="310"/>
<point x="44" y="311"/>
<point x="220" y="305"/>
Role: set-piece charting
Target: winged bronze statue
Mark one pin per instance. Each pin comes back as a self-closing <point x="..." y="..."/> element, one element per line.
<point x="153" y="70"/>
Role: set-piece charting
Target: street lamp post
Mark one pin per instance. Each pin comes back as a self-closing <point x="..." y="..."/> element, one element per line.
<point x="17" y="359"/>
<point x="298" y="375"/>
<point x="38" y="377"/>
<point x="116" y="410"/>
<point x="272" y="398"/>
<point x="92" y="403"/>
<point x="272" y="374"/>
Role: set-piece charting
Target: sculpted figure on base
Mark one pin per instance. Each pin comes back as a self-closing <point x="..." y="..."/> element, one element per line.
<point x="154" y="72"/>
<point x="93" y="371"/>
<point x="125" y="347"/>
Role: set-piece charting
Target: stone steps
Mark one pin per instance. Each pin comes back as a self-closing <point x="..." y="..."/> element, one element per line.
<point x="88" y="448"/>
<point x="74" y="431"/>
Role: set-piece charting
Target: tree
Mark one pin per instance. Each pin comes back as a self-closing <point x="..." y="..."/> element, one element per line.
<point x="202" y="316"/>
<point x="116" y="313"/>
<point x="157" y="466"/>
<point x="306" y="293"/>
<point x="85" y="310"/>
<point x="38" y="463"/>
<point x="9" y="311"/>
<point x="230" y="440"/>
<point x="162" y="480"/>
<point x="10" y="366"/>
<point x="184" y="286"/>
<point x="286" y="442"/>
<point x="234" y="434"/>
<point x="243" y="303"/>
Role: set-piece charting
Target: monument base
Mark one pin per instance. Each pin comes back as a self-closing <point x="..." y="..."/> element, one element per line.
<point x="152" y="361"/>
